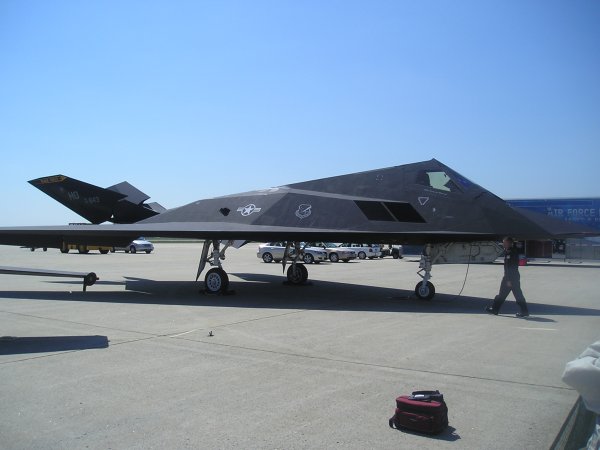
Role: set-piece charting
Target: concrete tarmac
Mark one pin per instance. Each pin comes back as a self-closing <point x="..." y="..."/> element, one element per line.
<point x="130" y="364"/>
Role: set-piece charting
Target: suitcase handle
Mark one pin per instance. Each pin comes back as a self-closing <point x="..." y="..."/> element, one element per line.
<point x="426" y="396"/>
<point x="426" y="393"/>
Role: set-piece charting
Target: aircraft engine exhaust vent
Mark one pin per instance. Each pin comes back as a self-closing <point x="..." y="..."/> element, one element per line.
<point x="389" y="211"/>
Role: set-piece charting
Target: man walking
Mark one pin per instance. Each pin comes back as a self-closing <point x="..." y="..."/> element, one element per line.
<point x="511" y="281"/>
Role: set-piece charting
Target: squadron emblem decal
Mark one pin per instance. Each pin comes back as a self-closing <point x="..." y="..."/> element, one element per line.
<point x="303" y="211"/>
<point x="248" y="209"/>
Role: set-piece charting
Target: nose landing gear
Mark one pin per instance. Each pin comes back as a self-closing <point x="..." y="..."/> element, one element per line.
<point x="425" y="290"/>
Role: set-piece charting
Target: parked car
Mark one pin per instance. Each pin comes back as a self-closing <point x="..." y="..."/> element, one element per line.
<point x="395" y="251"/>
<point x="364" y="251"/>
<point x="137" y="245"/>
<point x="274" y="251"/>
<point x="335" y="252"/>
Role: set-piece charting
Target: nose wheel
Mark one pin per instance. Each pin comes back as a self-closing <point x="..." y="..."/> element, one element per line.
<point x="424" y="290"/>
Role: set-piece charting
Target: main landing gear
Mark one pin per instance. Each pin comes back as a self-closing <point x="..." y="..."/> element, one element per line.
<point x="297" y="273"/>
<point x="216" y="280"/>
<point x="425" y="290"/>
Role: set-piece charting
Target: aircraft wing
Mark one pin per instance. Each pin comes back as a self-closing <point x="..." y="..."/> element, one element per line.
<point x="120" y="235"/>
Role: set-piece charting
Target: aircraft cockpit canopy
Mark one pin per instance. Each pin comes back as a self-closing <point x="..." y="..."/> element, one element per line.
<point x="437" y="179"/>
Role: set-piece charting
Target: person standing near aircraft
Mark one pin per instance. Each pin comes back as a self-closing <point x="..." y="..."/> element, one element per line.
<point x="511" y="281"/>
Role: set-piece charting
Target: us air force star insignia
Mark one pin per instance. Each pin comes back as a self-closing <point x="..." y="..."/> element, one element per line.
<point x="303" y="211"/>
<point x="248" y="209"/>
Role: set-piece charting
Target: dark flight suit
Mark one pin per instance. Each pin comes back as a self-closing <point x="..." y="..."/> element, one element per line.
<point x="511" y="274"/>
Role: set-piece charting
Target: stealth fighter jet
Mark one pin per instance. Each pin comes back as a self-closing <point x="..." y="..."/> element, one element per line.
<point x="424" y="203"/>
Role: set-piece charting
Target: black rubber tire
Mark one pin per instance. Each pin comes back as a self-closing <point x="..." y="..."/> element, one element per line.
<point x="216" y="281"/>
<point x="334" y="257"/>
<point x="64" y="250"/>
<point x="90" y="279"/>
<point x="425" y="292"/>
<point x="308" y="258"/>
<point x="267" y="257"/>
<point x="148" y="251"/>
<point x="132" y="249"/>
<point x="103" y="251"/>
<point x="362" y="255"/>
<point x="304" y="273"/>
<point x="297" y="274"/>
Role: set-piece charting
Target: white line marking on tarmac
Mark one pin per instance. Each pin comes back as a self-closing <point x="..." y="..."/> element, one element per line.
<point x="537" y="329"/>
<point x="184" y="333"/>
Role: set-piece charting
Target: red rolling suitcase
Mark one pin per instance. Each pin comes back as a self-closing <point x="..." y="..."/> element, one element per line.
<point x="423" y="411"/>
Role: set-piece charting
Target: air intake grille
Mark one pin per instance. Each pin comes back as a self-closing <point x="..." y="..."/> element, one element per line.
<point x="389" y="211"/>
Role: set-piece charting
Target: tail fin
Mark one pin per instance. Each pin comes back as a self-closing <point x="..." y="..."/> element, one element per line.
<point x="122" y="203"/>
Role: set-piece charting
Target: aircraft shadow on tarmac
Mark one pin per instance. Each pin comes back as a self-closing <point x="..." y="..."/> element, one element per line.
<point x="47" y="344"/>
<point x="269" y="291"/>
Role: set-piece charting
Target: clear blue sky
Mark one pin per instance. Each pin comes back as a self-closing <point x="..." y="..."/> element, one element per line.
<point x="188" y="100"/>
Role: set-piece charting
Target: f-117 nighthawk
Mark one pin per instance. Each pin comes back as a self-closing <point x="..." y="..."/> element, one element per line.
<point x="424" y="203"/>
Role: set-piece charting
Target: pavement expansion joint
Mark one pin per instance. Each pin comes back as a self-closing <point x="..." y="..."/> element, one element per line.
<point x="380" y="366"/>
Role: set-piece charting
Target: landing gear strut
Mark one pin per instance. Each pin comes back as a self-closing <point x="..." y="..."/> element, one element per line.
<point x="297" y="273"/>
<point x="216" y="280"/>
<point x="425" y="290"/>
